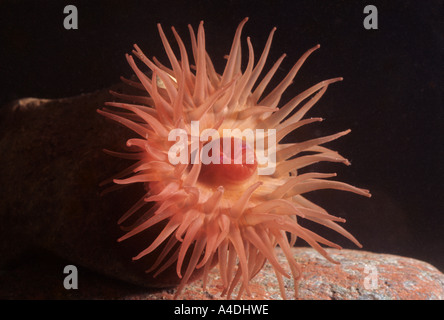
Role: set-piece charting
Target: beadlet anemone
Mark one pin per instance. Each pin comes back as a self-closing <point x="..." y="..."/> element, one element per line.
<point x="227" y="213"/>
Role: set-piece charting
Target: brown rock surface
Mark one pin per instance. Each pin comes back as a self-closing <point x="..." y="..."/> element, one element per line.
<point x="51" y="166"/>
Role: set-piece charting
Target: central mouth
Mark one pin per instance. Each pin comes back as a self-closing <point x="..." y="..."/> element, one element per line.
<point x="235" y="162"/>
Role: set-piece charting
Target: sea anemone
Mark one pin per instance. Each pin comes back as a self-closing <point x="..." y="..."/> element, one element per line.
<point x="236" y="212"/>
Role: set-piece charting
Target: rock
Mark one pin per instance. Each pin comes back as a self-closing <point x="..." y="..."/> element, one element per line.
<point x="390" y="278"/>
<point x="365" y="275"/>
<point x="360" y="275"/>
<point x="51" y="166"/>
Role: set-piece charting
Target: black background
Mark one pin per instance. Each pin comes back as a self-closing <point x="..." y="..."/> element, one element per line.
<point x="391" y="96"/>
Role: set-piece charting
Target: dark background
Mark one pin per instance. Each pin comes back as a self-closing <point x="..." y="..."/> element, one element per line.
<point x="391" y="96"/>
